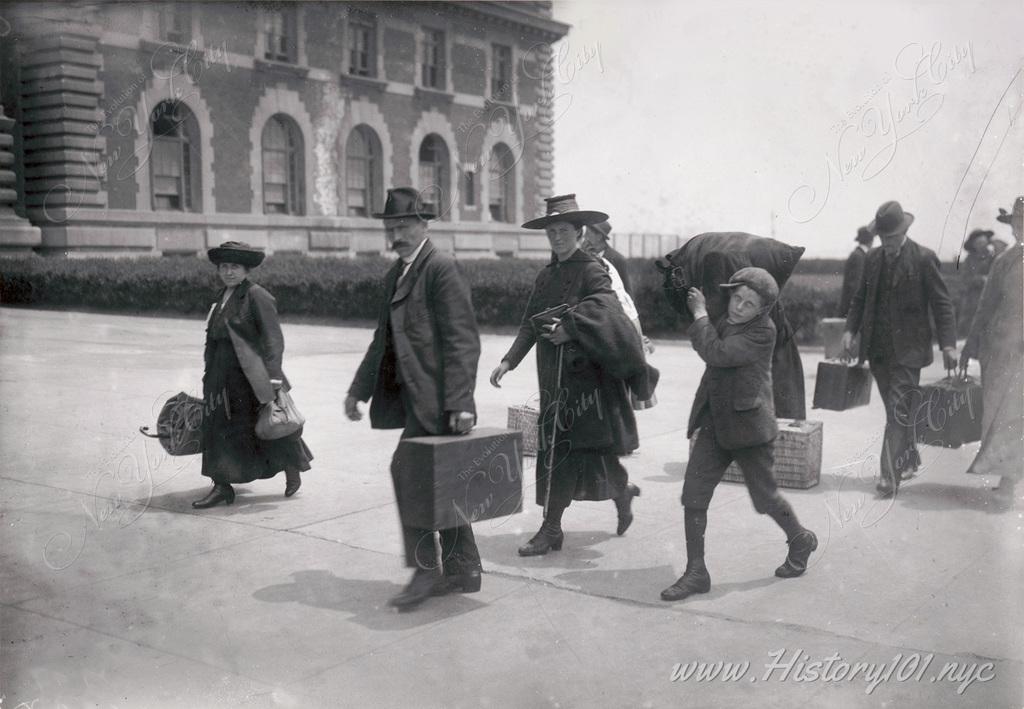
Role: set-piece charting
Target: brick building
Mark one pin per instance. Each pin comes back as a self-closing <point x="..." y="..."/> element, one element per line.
<point x="149" y="128"/>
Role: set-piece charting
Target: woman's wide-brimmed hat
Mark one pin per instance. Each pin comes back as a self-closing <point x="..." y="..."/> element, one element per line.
<point x="563" y="208"/>
<point x="1007" y="217"/>
<point x="890" y="219"/>
<point x="982" y="234"/>
<point x="237" y="252"/>
<point x="405" y="202"/>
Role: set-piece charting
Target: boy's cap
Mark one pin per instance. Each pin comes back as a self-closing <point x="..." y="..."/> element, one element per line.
<point x="757" y="280"/>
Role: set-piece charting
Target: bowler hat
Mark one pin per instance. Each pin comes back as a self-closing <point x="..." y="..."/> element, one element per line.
<point x="405" y="202"/>
<point x="563" y="208"/>
<point x="237" y="252"/>
<point x="757" y="280"/>
<point x="603" y="228"/>
<point x="1007" y="217"/>
<point x="865" y="235"/>
<point x="890" y="219"/>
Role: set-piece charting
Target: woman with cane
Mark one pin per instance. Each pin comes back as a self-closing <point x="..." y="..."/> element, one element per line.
<point x="586" y="350"/>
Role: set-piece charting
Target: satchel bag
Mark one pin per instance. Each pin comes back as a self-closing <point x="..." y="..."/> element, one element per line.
<point x="179" y="426"/>
<point x="278" y="418"/>
<point x="949" y="413"/>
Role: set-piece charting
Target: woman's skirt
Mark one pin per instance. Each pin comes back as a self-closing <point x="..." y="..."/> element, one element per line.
<point x="579" y="475"/>
<point x="231" y="451"/>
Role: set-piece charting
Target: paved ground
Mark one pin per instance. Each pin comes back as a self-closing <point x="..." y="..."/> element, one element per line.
<point x="116" y="593"/>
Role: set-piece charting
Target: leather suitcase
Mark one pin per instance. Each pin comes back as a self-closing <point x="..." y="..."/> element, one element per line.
<point x="797" y="456"/>
<point x="949" y="413"/>
<point x="840" y="387"/>
<point x="447" y="481"/>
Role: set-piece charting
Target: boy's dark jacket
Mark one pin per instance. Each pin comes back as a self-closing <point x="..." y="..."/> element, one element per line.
<point x="737" y="384"/>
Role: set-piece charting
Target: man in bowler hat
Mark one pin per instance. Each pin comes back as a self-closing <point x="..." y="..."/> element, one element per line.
<point x="733" y="419"/>
<point x="597" y="240"/>
<point x="853" y="271"/>
<point x="890" y="310"/>
<point x="420" y="373"/>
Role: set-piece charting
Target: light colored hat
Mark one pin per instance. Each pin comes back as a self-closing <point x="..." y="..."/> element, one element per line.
<point x="757" y="280"/>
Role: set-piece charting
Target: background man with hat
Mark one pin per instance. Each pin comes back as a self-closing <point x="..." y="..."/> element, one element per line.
<point x="853" y="271"/>
<point x="902" y="283"/>
<point x="597" y="239"/>
<point x="420" y="374"/>
<point x="733" y="419"/>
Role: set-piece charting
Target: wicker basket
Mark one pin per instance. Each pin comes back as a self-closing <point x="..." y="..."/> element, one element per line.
<point x="797" y="455"/>
<point x="524" y="418"/>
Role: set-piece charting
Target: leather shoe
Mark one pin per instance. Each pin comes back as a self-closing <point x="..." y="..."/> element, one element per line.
<point x="420" y="587"/>
<point x="461" y="575"/>
<point x="221" y="492"/>
<point x="292" y="484"/>
<point x="694" y="580"/>
<point x="543" y="541"/>
<point x="800" y="548"/>
<point x="625" y="508"/>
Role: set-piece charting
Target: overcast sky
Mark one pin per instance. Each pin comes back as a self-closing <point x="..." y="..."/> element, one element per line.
<point x="683" y="117"/>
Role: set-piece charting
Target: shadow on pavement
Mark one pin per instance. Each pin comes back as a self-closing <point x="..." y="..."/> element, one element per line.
<point x="937" y="497"/>
<point x="181" y="502"/>
<point x="365" y="601"/>
<point x="674" y="472"/>
<point x="575" y="552"/>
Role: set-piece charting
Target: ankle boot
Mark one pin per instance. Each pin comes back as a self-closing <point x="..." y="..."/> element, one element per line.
<point x="695" y="579"/>
<point x="293" y="481"/>
<point x="624" y="506"/>
<point x="462" y="574"/>
<point x="221" y="492"/>
<point x="800" y="548"/>
<point x="543" y="541"/>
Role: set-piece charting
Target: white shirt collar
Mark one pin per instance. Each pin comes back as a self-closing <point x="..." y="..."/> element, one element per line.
<point x="414" y="254"/>
<point x="864" y="247"/>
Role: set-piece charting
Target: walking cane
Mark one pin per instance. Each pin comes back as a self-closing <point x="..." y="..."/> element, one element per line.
<point x="554" y="428"/>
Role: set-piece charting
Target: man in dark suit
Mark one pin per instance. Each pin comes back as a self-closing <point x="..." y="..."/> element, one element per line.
<point x="420" y="374"/>
<point x="733" y="419"/>
<point x="890" y="311"/>
<point x="853" y="272"/>
<point x="597" y="238"/>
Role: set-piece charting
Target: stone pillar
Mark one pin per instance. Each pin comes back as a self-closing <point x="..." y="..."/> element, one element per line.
<point x="16" y="234"/>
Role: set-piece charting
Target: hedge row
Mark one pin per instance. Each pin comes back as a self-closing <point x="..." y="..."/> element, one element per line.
<point x="349" y="289"/>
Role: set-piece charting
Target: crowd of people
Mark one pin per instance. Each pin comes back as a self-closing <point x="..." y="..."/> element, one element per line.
<point x="420" y="370"/>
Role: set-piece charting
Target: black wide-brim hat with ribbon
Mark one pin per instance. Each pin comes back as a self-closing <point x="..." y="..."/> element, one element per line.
<point x="563" y="208"/>
<point x="890" y="219"/>
<point x="405" y="202"/>
<point x="237" y="252"/>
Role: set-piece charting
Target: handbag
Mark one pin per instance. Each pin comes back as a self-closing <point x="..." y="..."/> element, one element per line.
<point x="278" y="418"/>
<point x="547" y="317"/>
<point x="179" y="426"/>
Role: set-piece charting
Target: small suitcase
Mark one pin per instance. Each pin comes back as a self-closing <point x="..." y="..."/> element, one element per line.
<point x="840" y="387"/>
<point x="524" y="418"/>
<point x="447" y="481"/>
<point x="949" y="413"/>
<point x="797" y="455"/>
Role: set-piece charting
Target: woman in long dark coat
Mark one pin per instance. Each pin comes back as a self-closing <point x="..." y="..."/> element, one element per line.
<point x="584" y="357"/>
<point x="244" y="348"/>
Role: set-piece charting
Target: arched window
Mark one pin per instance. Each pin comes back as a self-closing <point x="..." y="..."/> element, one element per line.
<point x="284" y="189"/>
<point x="434" y="175"/>
<point x="174" y="164"/>
<point x="502" y="184"/>
<point x="363" y="177"/>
